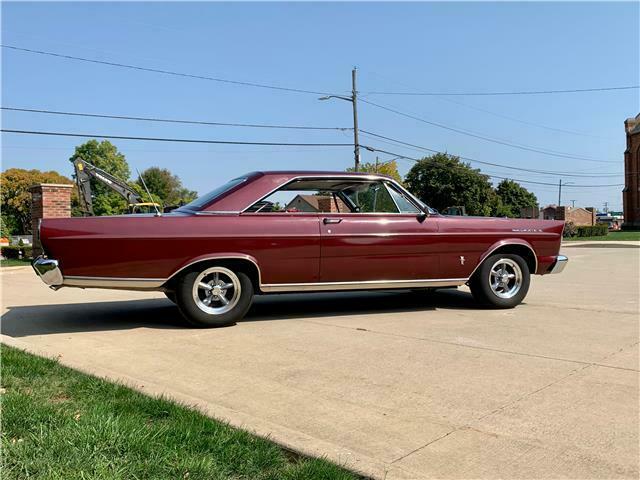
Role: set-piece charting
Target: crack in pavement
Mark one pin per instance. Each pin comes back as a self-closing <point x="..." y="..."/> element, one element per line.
<point x="469" y="425"/>
<point x="490" y="349"/>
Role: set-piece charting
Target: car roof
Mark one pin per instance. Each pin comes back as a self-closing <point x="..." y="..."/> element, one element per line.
<point x="314" y="173"/>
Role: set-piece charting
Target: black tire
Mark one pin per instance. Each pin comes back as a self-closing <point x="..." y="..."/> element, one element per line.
<point x="216" y="313"/>
<point x="171" y="296"/>
<point x="508" y="295"/>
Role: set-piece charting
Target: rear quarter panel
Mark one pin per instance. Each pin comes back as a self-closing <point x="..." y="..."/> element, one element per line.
<point x="474" y="238"/>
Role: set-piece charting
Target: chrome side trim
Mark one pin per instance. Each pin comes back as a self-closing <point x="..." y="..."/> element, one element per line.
<point x="485" y="256"/>
<point x="362" y="285"/>
<point x="48" y="270"/>
<point x="558" y="266"/>
<point x="113" y="282"/>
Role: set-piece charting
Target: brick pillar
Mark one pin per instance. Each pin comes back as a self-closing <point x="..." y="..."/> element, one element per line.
<point x="48" y="200"/>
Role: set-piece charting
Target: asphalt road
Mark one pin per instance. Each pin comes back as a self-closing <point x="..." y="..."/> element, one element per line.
<point x="392" y="384"/>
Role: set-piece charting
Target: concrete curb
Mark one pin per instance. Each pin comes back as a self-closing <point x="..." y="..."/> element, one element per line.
<point x="288" y="439"/>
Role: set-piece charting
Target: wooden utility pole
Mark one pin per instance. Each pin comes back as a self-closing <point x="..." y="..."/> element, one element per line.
<point x="354" y="102"/>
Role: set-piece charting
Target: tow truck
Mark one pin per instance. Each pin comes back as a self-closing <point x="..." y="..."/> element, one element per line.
<point x="85" y="171"/>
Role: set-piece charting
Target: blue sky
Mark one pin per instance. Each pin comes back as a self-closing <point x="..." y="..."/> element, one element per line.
<point x="441" y="47"/>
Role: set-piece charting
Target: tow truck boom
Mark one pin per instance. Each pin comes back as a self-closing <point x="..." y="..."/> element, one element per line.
<point x="85" y="171"/>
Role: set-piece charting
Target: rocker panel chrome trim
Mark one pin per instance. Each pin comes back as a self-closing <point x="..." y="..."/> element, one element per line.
<point x="113" y="282"/>
<point x="361" y="285"/>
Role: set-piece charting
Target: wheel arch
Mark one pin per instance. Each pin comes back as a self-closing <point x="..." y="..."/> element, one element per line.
<point x="238" y="261"/>
<point x="517" y="247"/>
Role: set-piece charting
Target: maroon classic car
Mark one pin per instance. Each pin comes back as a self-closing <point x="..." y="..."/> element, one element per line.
<point x="271" y="232"/>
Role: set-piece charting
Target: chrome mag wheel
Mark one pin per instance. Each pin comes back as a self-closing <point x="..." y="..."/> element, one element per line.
<point x="505" y="278"/>
<point x="216" y="290"/>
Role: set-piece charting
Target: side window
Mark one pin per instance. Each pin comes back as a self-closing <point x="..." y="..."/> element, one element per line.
<point x="404" y="205"/>
<point x="295" y="201"/>
<point x="371" y="198"/>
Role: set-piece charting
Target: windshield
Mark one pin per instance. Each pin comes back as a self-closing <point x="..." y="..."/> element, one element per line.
<point x="207" y="198"/>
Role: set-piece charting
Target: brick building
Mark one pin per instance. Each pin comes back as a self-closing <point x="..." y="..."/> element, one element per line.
<point x="631" y="192"/>
<point x="577" y="215"/>
<point x="316" y="203"/>
<point x="48" y="200"/>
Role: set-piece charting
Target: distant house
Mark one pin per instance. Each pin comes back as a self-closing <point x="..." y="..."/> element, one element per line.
<point x="316" y="203"/>
<point x="530" y="212"/>
<point x="576" y="215"/>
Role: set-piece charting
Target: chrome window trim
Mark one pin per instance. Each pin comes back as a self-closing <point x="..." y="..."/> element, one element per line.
<point x="401" y="193"/>
<point x="383" y="179"/>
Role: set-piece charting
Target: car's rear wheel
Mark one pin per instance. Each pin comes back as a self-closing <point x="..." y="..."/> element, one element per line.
<point x="502" y="281"/>
<point x="214" y="296"/>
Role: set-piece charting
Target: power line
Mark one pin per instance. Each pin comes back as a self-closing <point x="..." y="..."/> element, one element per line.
<point x="482" y="137"/>
<point x="499" y="115"/>
<point x="532" y="92"/>
<point x="373" y="149"/>
<point x="565" y="174"/>
<point x="178" y="140"/>
<point x="170" y="120"/>
<point x="165" y="72"/>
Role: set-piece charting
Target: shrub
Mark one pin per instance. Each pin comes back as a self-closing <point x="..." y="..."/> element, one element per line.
<point x="569" y="230"/>
<point x="11" y="251"/>
<point x="599" y="230"/>
<point x="14" y="251"/>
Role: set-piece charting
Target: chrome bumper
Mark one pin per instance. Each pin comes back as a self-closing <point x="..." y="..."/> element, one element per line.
<point x="48" y="270"/>
<point x="561" y="262"/>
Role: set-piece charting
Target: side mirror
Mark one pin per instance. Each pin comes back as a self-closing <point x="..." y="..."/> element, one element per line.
<point x="422" y="216"/>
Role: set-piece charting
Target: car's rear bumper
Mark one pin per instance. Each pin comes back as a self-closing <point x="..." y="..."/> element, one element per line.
<point x="560" y="263"/>
<point x="48" y="270"/>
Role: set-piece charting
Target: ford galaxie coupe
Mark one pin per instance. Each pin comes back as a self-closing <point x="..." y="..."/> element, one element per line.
<point x="271" y="232"/>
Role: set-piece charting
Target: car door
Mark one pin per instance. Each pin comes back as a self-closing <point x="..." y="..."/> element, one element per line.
<point x="386" y="238"/>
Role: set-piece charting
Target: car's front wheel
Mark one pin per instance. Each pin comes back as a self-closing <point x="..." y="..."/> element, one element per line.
<point x="214" y="296"/>
<point x="502" y="281"/>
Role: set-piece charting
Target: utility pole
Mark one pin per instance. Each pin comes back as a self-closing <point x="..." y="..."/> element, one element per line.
<point x="354" y="102"/>
<point x="606" y="207"/>
<point x="376" y="164"/>
<point x="560" y="191"/>
<point x="573" y="203"/>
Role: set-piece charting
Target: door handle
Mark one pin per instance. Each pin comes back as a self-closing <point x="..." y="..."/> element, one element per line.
<point x="328" y="221"/>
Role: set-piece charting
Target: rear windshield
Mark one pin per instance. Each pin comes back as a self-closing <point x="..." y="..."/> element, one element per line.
<point x="207" y="198"/>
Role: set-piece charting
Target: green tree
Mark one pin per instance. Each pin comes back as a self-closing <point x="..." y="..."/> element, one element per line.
<point x="385" y="168"/>
<point x="6" y="226"/>
<point x="106" y="156"/>
<point x="514" y="197"/>
<point x="442" y="180"/>
<point x="166" y="187"/>
<point x="15" y="198"/>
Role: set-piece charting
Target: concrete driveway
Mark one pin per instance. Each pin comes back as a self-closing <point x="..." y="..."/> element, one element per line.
<point x="391" y="384"/>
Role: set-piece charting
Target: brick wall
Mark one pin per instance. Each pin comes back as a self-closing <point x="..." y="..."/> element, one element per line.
<point x="631" y="192"/>
<point x="48" y="200"/>
<point x="579" y="216"/>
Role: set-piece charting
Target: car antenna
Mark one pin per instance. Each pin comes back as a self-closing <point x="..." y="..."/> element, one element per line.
<point x="144" y="184"/>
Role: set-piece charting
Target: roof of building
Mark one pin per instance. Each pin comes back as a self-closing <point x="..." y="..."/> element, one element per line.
<point x="636" y="128"/>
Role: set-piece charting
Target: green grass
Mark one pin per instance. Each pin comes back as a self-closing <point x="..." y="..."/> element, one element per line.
<point x="611" y="236"/>
<point x="58" y="423"/>
<point x="15" y="262"/>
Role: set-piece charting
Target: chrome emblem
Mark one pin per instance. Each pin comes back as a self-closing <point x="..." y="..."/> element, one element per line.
<point x="527" y="230"/>
<point x="462" y="260"/>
